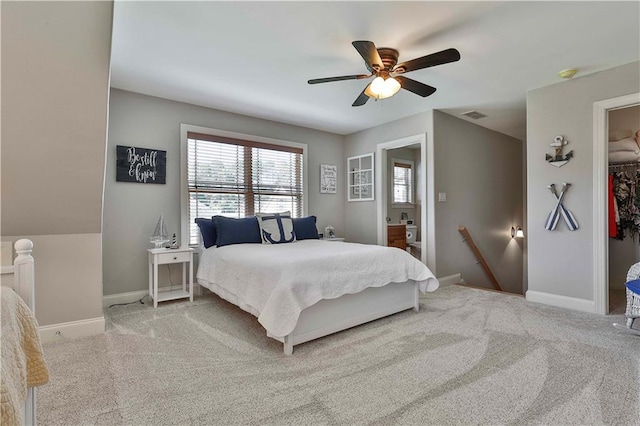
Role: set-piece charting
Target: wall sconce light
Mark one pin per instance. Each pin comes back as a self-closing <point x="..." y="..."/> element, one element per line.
<point x="517" y="232"/>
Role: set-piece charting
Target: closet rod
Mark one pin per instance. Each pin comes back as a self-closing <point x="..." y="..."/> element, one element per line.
<point x="623" y="166"/>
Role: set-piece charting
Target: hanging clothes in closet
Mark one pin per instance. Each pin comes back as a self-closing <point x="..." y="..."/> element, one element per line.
<point x="624" y="201"/>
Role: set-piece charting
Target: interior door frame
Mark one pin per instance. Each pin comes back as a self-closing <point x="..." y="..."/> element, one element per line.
<point x="427" y="222"/>
<point x="600" y="188"/>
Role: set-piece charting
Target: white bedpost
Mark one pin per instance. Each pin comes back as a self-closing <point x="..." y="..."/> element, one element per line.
<point x="23" y="270"/>
<point x="24" y="284"/>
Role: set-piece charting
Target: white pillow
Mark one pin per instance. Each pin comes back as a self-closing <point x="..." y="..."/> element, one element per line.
<point x="628" y="144"/>
<point x="276" y="228"/>
<point x="616" y="135"/>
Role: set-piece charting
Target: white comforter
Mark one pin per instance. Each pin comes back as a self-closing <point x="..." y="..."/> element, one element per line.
<point x="276" y="282"/>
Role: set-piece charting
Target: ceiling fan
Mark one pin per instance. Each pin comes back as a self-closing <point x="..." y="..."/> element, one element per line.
<point x="383" y="64"/>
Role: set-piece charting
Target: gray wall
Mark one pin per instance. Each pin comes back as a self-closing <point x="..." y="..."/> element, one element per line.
<point x="623" y="254"/>
<point x="131" y="210"/>
<point x="481" y="172"/>
<point x="560" y="262"/>
<point x="360" y="216"/>
<point x="55" y="79"/>
<point x="471" y="164"/>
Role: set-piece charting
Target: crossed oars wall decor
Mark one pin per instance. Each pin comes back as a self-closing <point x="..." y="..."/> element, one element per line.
<point x="560" y="210"/>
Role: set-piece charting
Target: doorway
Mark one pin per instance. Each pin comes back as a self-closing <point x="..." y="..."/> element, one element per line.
<point x="601" y="259"/>
<point x="624" y="250"/>
<point x="423" y="191"/>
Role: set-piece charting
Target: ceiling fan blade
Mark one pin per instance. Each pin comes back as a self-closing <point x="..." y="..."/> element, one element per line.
<point x="370" y="54"/>
<point x="362" y="99"/>
<point x="416" y="87"/>
<point x="443" y="57"/>
<point x="340" y="78"/>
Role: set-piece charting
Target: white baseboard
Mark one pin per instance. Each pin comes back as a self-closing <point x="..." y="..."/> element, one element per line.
<point x="450" y="280"/>
<point x="561" y="301"/>
<point x="134" y="296"/>
<point x="71" y="330"/>
<point x="128" y="297"/>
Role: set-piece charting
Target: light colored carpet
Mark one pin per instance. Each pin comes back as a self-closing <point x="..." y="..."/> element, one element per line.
<point x="617" y="302"/>
<point x="468" y="357"/>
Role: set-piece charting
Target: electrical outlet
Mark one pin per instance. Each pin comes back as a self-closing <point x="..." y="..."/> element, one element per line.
<point x="442" y="197"/>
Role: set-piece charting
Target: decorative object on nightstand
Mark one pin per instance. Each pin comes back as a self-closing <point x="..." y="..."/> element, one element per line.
<point x="329" y="232"/>
<point x="174" y="242"/>
<point x="165" y="256"/>
<point x="160" y="234"/>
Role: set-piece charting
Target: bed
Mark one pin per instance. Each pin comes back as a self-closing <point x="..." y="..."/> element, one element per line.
<point x="308" y="289"/>
<point x="23" y="366"/>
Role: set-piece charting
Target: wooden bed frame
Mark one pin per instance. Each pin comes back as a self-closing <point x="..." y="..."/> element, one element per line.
<point x="329" y="316"/>
<point x="24" y="285"/>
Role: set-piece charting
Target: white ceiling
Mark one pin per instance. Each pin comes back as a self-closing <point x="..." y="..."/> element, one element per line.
<point x="255" y="58"/>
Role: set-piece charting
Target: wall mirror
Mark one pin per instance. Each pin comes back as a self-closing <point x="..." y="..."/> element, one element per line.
<point x="360" y="181"/>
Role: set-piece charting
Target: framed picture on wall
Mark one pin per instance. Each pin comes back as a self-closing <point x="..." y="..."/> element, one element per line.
<point x="140" y="165"/>
<point x="360" y="181"/>
<point x="328" y="179"/>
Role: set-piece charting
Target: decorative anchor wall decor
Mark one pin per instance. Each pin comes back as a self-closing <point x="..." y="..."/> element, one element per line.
<point x="558" y="159"/>
<point x="559" y="210"/>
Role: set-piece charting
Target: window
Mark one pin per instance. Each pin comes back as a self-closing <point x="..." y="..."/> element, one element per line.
<point x="237" y="178"/>
<point x="402" y="182"/>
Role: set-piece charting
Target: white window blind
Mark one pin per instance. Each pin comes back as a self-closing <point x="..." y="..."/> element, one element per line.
<point x="236" y="178"/>
<point x="402" y="183"/>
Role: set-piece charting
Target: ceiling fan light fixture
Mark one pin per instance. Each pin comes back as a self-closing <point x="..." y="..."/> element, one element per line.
<point x="384" y="61"/>
<point x="382" y="89"/>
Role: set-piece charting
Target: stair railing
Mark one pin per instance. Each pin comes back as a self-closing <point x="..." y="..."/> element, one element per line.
<point x="479" y="258"/>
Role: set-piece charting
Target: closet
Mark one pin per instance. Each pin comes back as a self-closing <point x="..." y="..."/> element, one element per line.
<point x="623" y="200"/>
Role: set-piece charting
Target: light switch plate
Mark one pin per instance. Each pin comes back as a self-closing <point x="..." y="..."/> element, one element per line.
<point x="442" y="197"/>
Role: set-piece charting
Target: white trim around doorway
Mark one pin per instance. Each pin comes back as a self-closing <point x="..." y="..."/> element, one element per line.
<point x="427" y="221"/>
<point x="600" y="211"/>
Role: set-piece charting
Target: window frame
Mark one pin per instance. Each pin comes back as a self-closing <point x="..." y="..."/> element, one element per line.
<point x="411" y="165"/>
<point x="252" y="140"/>
<point x="357" y="189"/>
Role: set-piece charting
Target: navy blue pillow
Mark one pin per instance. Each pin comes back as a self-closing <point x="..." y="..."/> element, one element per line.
<point x="236" y="231"/>
<point x="305" y="228"/>
<point x="208" y="231"/>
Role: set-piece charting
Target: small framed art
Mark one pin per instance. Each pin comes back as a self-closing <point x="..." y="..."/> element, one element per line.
<point x="328" y="179"/>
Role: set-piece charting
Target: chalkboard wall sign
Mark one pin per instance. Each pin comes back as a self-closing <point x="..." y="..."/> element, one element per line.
<point x="140" y="165"/>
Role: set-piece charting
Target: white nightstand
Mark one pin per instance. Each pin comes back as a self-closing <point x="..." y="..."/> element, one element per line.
<point x="163" y="256"/>
<point x="338" y="239"/>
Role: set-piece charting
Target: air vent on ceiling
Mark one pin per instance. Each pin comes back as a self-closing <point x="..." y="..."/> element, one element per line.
<point x="474" y="114"/>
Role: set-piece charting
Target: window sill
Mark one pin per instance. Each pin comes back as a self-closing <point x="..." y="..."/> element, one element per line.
<point x="402" y="205"/>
